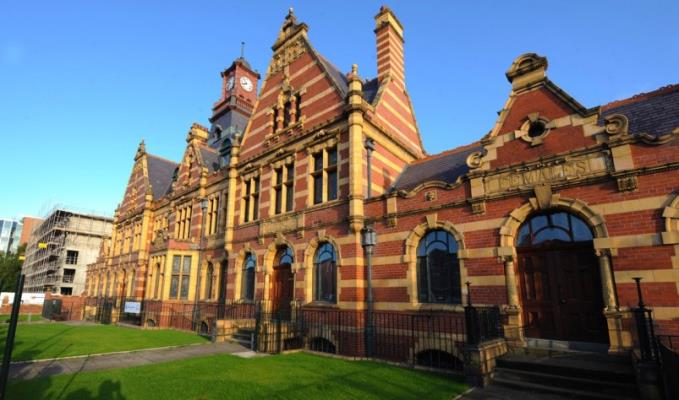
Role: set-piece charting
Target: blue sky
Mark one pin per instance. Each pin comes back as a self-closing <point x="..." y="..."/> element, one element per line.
<point x="82" y="82"/>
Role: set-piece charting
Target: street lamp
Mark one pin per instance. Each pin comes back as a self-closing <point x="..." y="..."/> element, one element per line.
<point x="368" y="242"/>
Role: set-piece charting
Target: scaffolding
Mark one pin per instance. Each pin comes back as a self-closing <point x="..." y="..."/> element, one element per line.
<point x="46" y="251"/>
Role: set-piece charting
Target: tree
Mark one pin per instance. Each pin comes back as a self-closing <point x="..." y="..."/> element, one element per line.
<point x="10" y="268"/>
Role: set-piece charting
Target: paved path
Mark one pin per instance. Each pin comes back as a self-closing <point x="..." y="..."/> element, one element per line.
<point x="496" y="392"/>
<point x="35" y="369"/>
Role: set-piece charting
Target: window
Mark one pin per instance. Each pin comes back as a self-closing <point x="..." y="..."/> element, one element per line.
<point x="69" y="275"/>
<point x="251" y="199"/>
<point x="248" y="290"/>
<point x="438" y="269"/>
<point x="284" y="186"/>
<point x="137" y="236"/>
<point x="211" y="216"/>
<point x="181" y="273"/>
<point x="324" y="175"/>
<point x="553" y="227"/>
<point x="209" y="276"/>
<point x="156" y="284"/>
<point x="133" y="283"/>
<point x="182" y="228"/>
<point x="325" y="273"/>
<point x="71" y="257"/>
<point x="66" y="291"/>
<point x="289" y="114"/>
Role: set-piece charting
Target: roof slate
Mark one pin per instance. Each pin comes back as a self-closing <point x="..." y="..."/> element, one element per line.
<point x="445" y="167"/>
<point x="160" y="174"/>
<point x="335" y="74"/>
<point x="210" y="158"/>
<point x="655" y="113"/>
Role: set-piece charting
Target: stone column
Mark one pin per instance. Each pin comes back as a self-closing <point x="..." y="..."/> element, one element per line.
<point x="619" y="340"/>
<point x="607" y="287"/>
<point x="513" y="328"/>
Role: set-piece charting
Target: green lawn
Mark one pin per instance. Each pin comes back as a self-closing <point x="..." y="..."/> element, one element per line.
<point x="22" y="317"/>
<point x="51" y="340"/>
<point x="292" y="376"/>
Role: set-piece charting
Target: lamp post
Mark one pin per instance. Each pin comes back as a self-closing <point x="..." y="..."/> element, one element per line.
<point x="203" y="209"/>
<point x="368" y="242"/>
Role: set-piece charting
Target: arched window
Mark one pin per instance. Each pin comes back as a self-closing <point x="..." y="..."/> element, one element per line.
<point x="248" y="290"/>
<point x="325" y="274"/>
<point x="285" y="256"/>
<point x="438" y="269"/>
<point x="209" y="276"/>
<point x="553" y="227"/>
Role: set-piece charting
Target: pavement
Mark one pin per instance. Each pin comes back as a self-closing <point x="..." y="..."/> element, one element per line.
<point x="496" y="392"/>
<point x="70" y="365"/>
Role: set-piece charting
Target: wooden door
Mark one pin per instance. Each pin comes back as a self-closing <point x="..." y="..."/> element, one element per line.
<point x="282" y="290"/>
<point x="561" y="293"/>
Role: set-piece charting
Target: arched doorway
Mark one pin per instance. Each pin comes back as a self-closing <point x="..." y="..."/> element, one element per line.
<point x="282" y="288"/>
<point x="559" y="279"/>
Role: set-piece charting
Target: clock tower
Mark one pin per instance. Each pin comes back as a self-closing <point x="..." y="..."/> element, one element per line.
<point x="231" y="112"/>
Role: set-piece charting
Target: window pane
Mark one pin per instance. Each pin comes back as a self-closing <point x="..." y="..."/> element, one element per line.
<point x="278" y="199"/>
<point x="255" y="207"/>
<point x="332" y="185"/>
<point x="524" y="235"/>
<point x="318" y="161"/>
<point x="290" y="173"/>
<point x="581" y="231"/>
<point x="176" y="260"/>
<point x="279" y="175"/>
<point x="185" y="287"/>
<point x="551" y="234"/>
<point x="174" y="283"/>
<point x="560" y="219"/>
<point x="332" y="156"/>
<point x="187" y="265"/>
<point x="249" y="284"/>
<point x="318" y="189"/>
<point x="290" y="197"/>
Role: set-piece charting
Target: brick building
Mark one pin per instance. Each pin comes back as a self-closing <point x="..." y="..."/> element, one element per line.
<point x="548" y="216"/>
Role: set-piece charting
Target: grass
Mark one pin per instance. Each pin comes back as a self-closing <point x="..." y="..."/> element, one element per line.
<point x="22" y="317"/>
<point x="291" y="376"/>
<point x="52" y="340"/>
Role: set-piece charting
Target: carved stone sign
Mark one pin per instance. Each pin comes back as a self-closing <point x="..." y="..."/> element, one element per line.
<point x="281" y="224"/>
<point x="551" y="172"/>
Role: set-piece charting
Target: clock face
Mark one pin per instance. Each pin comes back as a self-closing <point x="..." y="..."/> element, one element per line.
<point x="246" y="83"/>
<point x="229" y="83"/>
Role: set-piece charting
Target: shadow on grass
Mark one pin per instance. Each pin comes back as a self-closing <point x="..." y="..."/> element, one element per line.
<point x="42" y="389"/>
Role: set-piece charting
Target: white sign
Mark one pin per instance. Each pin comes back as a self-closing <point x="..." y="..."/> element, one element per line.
<point x="132" y="307"/>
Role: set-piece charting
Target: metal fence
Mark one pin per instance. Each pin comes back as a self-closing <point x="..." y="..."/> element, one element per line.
<point x="668" y="358"/>
<point x="426" y="338"/>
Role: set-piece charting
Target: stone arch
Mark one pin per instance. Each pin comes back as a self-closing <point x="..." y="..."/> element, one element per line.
<point x="410" y="257"/>
<point x="544" y="201"/>
<point x="426" y="342"/>
<point x="307" y="263"/>
<point x="272" y="249"/>
<point x="671" y="215"/>
<point x="510" y="227"/>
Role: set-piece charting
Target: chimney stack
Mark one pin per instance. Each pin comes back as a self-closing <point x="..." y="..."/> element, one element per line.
<point x="389" y="35"/>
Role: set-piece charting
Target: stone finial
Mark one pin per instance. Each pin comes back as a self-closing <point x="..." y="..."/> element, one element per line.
<point x="141" y="150"/>
<point x="526" y="69"/>
<point x="354" y="69"/>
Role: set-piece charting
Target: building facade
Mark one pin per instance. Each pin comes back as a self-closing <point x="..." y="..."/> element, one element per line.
<point x="548" y="216"/>
<point x="10" y="232"/>
<point x="59" y="250"/>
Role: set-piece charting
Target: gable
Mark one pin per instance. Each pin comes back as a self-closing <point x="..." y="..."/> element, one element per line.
<point x="295" y="69"/>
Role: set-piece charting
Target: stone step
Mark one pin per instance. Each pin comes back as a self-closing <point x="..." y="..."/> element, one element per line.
<point x="571" y="393"/>
<point x="595" y="388"/>
<point x="585" y="365"/>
